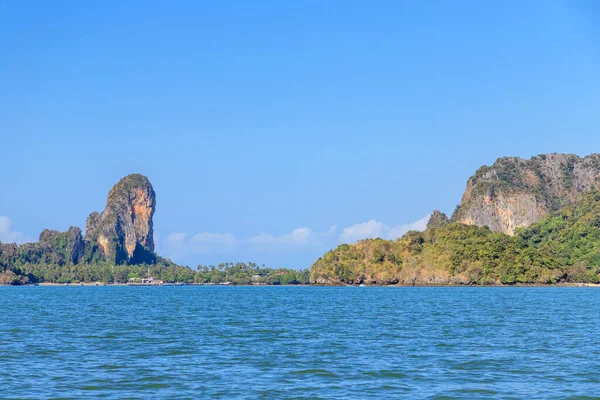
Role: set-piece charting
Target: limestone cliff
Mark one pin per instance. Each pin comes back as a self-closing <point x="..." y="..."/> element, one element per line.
<point x="515" y="192"/>
<point x="123" y="232"/>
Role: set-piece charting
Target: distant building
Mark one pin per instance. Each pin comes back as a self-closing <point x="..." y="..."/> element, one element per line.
<point x="149" y="281"/>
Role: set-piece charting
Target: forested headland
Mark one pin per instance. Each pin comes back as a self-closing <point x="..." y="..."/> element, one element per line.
<point x="545" y="229"/>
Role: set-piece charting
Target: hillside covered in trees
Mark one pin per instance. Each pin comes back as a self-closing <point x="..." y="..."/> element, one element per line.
<point x="16" y="269"/>
<point x="562" y="247"/>
<point x="52" y="260"/>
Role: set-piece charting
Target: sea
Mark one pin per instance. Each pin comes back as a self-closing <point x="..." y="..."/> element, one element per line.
<point x="196" y="342"/>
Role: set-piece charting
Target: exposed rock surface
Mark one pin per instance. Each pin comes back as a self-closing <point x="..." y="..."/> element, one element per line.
<point x="515" y="193"/>
<point x="123" y="232"/>
<point x="68" y="244"/>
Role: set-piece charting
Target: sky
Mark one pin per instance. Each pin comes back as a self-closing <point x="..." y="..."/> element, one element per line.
<point x="273" y="131"/>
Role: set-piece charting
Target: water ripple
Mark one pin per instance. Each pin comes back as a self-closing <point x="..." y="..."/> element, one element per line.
<point x="295" y="342"/>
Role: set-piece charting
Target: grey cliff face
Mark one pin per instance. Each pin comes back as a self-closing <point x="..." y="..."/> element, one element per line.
<point x="515" y="193"/>
<point x="124" y="231"/>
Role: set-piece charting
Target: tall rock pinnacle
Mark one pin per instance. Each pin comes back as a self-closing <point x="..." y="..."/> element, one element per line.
<point x="123" y="232"/>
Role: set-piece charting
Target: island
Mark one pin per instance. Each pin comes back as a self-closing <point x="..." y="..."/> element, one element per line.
<point x="118" y="247"/>
<point x="533" y="221"/>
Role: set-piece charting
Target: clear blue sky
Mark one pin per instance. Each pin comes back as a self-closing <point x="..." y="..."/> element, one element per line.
<point x="273" y="130"/>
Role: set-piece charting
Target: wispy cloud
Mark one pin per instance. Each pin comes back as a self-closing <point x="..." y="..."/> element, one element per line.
<point x="9" y="236"/>
<point x="301" y="243"/>
<point x="303" y="240"/>
<point x="375" y="229"/>
<point x="299" y="237"/>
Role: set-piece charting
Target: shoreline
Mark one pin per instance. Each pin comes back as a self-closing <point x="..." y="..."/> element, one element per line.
<point x="523" y="285"/>
<point x="564" y="284"/>
<point x="49" y="284"/>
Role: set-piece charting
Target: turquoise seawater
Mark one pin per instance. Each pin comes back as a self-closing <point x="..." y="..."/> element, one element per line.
<point x="299" y="342"/>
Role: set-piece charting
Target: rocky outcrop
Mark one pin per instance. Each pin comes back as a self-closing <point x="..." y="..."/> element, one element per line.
<point x="123" y="232"/>
<point x="515" y="193"/>
<point x="437" y="220"/>
<point x="68" y="245"/>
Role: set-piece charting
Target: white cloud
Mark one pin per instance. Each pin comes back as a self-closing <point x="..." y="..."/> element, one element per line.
<point x="299" y="237"/>
<point x="375" y="229"/>
<point x="361" y="231"/>
<point x="399" y="230"/>
<point x="179" y="245"/>
<point x="8" y="236"/>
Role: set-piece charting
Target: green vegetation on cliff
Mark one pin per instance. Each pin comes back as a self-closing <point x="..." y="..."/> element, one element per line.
<point x="562" y="247"/>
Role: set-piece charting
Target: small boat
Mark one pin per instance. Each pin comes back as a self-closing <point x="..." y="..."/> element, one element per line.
<point x="362" y="285"/>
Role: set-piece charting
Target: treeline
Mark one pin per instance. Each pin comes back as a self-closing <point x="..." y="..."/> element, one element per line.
<point x="14" y="271"/>
<point x="22" y="273"/>
<point x="563" y="247"/>
<point x="250" y="274"/>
